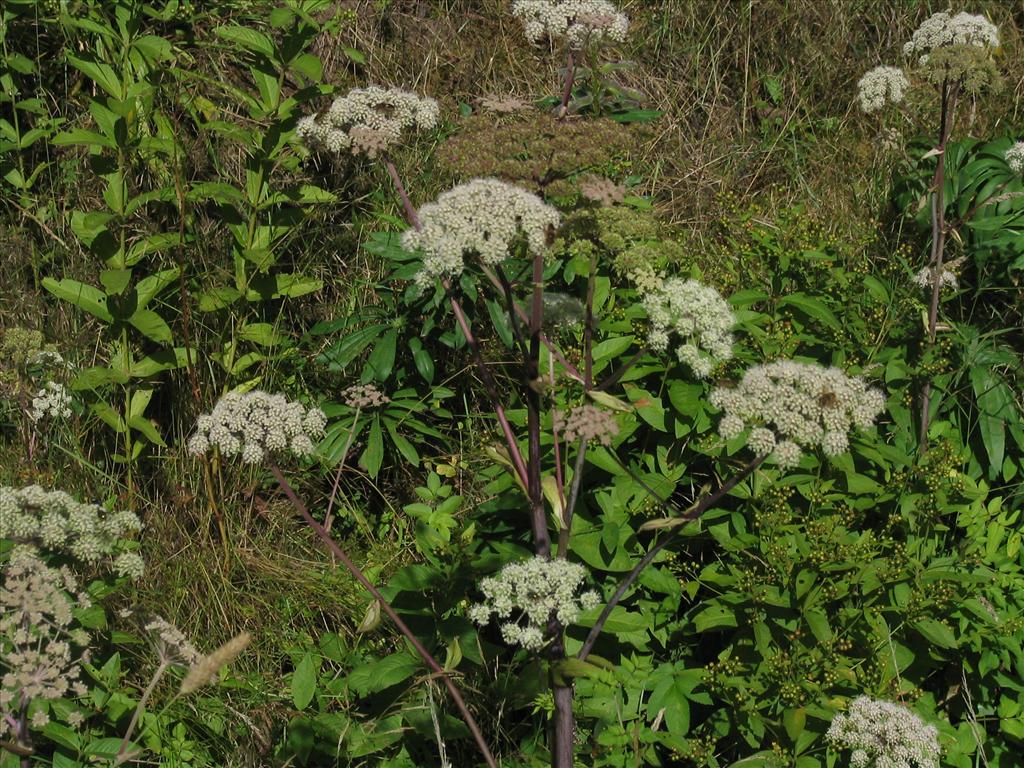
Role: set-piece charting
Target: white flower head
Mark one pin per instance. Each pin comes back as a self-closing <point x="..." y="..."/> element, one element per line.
<point x="696" y="314"/>
<point x="883" y="734"/>
<point x="575" y="21"/>
<point x="941" y="29"/>
<point x="531" y="594"/>
<point x="37" y="636"/>
<point x="53" y="400"/>
<point x="790" y="406"/>
<point x="54" y="521"/>
<point x="1015" y="157"/>
<point x="881" y="86"/>
<point x="254" y="424"/>
<point x="483" y="217"/>
<point x="368" y="121"/>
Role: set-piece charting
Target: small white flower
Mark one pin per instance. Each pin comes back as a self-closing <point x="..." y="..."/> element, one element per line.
<point x="941" y="29"/>
<point x="698" y="315"/>
<point x="368" y="120"/>
<point x="790" y="406"/>
<point x="52" y="400"/>
<point x="55" y="521"/>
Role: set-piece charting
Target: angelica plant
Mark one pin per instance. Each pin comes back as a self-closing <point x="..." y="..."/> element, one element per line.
<point x="256" y="424"/>
<point x="579" y="23"/>
<point x="42" y="645"/>
<point x="954" y="55"/>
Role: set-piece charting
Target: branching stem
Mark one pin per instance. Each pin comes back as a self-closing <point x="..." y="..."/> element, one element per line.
<point x="357" y="573"/>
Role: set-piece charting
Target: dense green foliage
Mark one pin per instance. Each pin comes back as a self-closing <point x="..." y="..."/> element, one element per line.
<point x="168" y="234"/>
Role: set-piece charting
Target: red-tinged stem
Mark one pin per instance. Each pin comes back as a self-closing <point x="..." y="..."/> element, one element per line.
<point x="588" y="329"/>
<point x="691" y="514"/>
<point x="570" y="369"/>
<point x="410" y="211"/>
<point x="489" y="385"/>
<point x="424" y="654"/>
<point x="570" y="75"/>
<point x="949" y="96"/>
<point x="535" y="493"/>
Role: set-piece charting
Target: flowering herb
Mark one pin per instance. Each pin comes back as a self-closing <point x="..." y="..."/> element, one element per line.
<point x="536" y="591"/>
<point x="485" y="218"/>
<point x="255" y="424"/>
<point x="880" y="86"/>
<point x="788" y="406"/>
<point x="576" y="21"/>
<point x="699" y="316"/>
<point x="882" y="734"/>
<point x="367" y="121"/>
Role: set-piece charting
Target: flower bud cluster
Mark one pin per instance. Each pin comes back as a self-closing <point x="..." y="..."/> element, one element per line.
<point x="368" y="120"/>
<point x="1015" y="157"/>
<point x="942" y="30"/>
<point x="255" y="424"/>
<point x="485" y="217"/>
<point x="36" y="518"/>
<point x="883" y="734"/>
<point x="699" y="316"/>
<point x="881" y="86"/>
<point x="537" y="590"/>
<point x="588" y="423"/>
<point x="24" y="348"/>
<point x="52" y="400"/>
<point x="364" y="396"/>
<point x="789" y="406"/>
<point x="577" y="21"/>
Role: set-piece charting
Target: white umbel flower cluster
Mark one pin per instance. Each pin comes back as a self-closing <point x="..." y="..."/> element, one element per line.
<point x="537" y="590"/>
<point x="577" y="21"/>
<point x="941" y="29"/>
<point x="52" y="400"/>
<point x="39" y="519"/>
<point x="368" y="120"/>
<point x="789" y="406"/>
<point x="37" y="639"/>
<point x="883" y="734"/>
<point x="881" y="86"/>
<point x="699" y="316"/>
<point x="1015" y="157"/>
<point x="255" y="424"/>
<point x="485" y="217"/>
